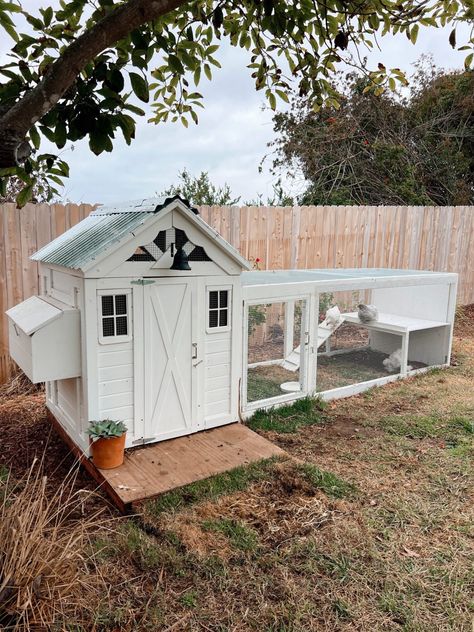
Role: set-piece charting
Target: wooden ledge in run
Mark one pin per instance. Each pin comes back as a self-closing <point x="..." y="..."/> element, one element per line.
<point x="160" y="467"/>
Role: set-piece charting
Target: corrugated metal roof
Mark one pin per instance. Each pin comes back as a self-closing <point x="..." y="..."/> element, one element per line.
<point x="84" y="241"/>
<point x="105" y="226"/>
<point x="78" y="247"/>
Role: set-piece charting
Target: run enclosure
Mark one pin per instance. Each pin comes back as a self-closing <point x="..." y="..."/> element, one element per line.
<point x="288" y="354"/>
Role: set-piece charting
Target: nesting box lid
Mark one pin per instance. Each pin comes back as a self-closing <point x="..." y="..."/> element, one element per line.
<point x="33" y="314"/>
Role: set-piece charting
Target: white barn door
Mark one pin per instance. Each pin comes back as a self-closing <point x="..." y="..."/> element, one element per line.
<point x="171" y="364"/>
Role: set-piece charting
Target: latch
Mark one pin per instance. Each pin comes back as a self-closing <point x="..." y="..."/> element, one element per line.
<point x="143" y="440"/>
<point x="142" y="282"/>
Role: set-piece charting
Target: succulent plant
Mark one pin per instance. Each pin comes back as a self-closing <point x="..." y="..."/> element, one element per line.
<point x="106" y="429"/>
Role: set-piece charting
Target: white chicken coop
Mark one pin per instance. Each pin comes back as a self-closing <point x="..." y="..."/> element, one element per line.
<point x="148" y="316"/>
<point x="139" y="320"/>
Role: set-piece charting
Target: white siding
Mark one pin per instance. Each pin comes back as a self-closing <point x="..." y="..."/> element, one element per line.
<point x="68" y="401"/>
<point x="218" y="347"/>
<point x="64" y="287"/>
<point x="115" y="373"/>
<point x="63" y="398"/>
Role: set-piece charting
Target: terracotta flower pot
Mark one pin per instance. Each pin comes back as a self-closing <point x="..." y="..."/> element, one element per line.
<point x="108" y="453"/>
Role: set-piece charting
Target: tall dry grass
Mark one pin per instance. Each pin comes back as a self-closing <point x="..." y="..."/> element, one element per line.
<point x="48" y="574"/>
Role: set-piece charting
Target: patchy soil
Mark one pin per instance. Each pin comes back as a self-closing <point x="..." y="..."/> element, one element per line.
<point x="349" y="335"/>
<point x="26" y="435"/>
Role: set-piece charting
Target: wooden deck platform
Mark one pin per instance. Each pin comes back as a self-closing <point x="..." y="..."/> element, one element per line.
<point x="160" y="467"/>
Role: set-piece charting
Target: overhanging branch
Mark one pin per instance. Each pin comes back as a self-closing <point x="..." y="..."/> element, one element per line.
<point x="61" y="74"/>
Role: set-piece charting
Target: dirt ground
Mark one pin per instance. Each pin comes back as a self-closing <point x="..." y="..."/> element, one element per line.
<point x="369" y="526"/>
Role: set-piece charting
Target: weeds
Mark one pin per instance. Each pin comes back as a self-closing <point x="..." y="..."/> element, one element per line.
<point x="189" y="599"/>
<point x="452" y="428"/>
<point x="240" y="536"/>
<point x="287" y="419"/>
<point x="234" y="480"/>
<point x="45" y="574"/>
<point x="331" y="484"/>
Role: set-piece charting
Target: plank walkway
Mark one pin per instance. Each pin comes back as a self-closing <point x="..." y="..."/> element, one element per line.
<point x="161" y="467"/>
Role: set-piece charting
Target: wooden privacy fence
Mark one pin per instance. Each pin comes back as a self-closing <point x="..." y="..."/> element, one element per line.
<point x="425" y="238"/>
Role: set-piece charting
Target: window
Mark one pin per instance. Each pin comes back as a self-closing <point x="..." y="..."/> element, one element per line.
<point x="114" y="317"/>
<point x="218" y="309"/>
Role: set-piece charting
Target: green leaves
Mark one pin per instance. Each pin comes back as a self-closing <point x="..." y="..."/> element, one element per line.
<point x="99" y="140"/>
<point x="452" y="38"/>
<point x="293" y="49"/>
<point x="60" y="134"/>
<point x="106" y="429"/>
<point x="140" y="87"/>
<point x="175" y="64"/>
<point x="6" y="20"/>
<point x="24" y="195"/>
<point x="390" y="148"/>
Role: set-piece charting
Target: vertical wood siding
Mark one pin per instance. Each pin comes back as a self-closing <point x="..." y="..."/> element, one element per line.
<point x="424" y="238"/>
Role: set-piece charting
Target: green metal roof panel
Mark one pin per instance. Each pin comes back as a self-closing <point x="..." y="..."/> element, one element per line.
<point x="105" y="226"/>
<point x="83" y="242"/>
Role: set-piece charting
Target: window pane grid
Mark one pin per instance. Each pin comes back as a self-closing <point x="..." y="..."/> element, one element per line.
<point x="114" y="315"/>
<point x="218" y="308"/>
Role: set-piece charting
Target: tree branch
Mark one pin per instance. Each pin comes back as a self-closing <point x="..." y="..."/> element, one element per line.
<point x="15" y="123"/>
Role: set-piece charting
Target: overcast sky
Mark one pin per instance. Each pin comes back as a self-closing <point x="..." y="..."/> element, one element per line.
<point x="229" y="141"/>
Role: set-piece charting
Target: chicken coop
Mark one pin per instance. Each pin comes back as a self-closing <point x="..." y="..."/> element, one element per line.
<point x="148" y="316"/>
<point x="139" y="320"/>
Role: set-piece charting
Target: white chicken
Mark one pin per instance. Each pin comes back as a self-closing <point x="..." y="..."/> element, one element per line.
<point x="394" y="361"/>
<point x="333" y="316"/>
<point x="367" y="313"/>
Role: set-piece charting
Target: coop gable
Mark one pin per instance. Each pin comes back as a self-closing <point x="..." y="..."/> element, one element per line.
<point x="141" y="238"/>
<point x="150" y="250"/>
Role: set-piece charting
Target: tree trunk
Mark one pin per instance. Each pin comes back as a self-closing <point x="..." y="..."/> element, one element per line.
<point x="15" y="123"/>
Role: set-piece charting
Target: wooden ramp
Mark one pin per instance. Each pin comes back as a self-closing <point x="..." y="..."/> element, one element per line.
<point x="160" y="467"/>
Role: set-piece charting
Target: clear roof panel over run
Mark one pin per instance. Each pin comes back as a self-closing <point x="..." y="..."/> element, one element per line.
<point x="281" y="277"/>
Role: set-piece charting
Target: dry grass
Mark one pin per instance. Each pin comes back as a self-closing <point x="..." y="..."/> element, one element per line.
<point x="294" y="548"/>
<point x="19" y="384"/>
<point x="46" y="576"/>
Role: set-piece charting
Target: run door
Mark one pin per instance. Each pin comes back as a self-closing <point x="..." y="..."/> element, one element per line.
<point x="171" y="362"/>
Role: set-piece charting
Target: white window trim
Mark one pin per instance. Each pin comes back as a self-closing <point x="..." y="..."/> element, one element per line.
<point x="110" y="340"/>
<point x="214" y="288"/>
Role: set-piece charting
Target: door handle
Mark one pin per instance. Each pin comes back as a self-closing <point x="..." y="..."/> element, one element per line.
<point x="195" y="351"/>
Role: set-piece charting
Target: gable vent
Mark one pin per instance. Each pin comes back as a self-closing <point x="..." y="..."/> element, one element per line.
<point x="162" y="242"/>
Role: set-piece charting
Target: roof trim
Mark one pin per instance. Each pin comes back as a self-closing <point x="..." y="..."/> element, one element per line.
<point x="200" y="224"/>
<point x="142" y="205"/>
<point x="214" y="234"/>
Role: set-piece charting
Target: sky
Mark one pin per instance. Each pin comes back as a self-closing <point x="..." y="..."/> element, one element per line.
<point x="230" y="141"/>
